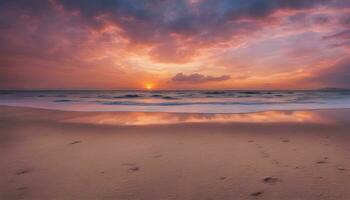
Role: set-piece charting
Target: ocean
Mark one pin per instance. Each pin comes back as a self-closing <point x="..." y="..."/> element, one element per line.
<point x="196" y="101"/>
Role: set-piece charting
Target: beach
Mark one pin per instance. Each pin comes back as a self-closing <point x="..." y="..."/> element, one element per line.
<point x="279" y="155"/>
<point x="174" y="100"/>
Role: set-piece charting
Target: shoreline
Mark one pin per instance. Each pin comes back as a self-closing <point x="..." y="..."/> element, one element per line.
<point x="115" y="118"/>
<point x="189" y="113"/>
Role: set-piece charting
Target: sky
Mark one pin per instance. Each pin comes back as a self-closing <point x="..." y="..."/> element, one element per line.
<point x="174" y="44"/>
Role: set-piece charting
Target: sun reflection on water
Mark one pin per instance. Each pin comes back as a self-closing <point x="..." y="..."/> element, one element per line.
<point x="141" y="118"/>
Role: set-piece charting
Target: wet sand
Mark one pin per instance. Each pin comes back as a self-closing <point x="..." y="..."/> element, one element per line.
<point x="78" y="155"/>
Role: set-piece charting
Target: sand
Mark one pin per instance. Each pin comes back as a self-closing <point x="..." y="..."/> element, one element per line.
<point x="76" y="155"/>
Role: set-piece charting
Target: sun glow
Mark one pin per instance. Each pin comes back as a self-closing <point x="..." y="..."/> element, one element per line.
<point x="149" y="86"/>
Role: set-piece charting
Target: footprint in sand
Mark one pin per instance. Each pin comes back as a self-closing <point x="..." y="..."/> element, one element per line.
<point x="342" y="169"/>
<point x="22" y="188"/>
<point x="157" y="156"/>
<point x="271" y="179"/>
<point x="131" y="167"/>
<point x="134" y="169"/>
<point x="321" y="162"/>
<point x="76" y="142"/>
<point x="284" y="139"/>
<point x="23" y="171"/>
<point x="276" y="162"/>
<point x="255" y="194"/>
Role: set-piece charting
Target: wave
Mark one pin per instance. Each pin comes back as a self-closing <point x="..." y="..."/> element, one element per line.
<point x="178" y="101"/>
<point x="134" y="103"/>
<point x="128" y="96"/>
<point x="65" y="100"/>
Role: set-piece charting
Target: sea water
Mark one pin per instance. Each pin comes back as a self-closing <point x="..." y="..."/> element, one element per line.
<point x="194" y="101"/>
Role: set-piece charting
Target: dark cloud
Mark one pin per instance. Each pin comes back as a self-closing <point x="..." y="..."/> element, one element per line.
<point x="189" y="26"/>
<point x="198" y="78"/>
<point x="341" y="44"/>
<point x="342" y="4"/>
<point x="34" y="7"/>
<point x="345" y="20"/>
<point x="321" y="19"/>
<point x="305" y="19"/>
<point x="180" y="16"/>
<point x="334" y="76"/>
<point x="341" y="39"/>
<point x="340" y="35"/>
<point x="203" y="23"/>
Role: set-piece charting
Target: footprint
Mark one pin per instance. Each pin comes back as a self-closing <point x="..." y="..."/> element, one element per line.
<point x="76" y="142"/>
<point x="321" y="162"/>
<point x="134" y="169"/>
<point x="23" y="171"/>
<point x="22" y="188"/>
<point x="342" y="169"/>
<point x="271" y="179"/>
<point x="157" y="156"/>
<point x="131" y="167"/>
<point x="255" y="194"/>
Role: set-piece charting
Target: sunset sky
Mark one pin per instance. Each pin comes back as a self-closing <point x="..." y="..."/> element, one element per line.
<point x="174" y="44"/>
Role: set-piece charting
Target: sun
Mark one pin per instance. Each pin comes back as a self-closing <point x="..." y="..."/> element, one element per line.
<point x="149" y="86"/>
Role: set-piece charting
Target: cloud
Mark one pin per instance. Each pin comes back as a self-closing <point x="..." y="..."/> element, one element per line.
<point x="198" y="78"/>
<point x="337" y="75"/>
<point x="193" y="25"/>
<point x="342" y="39"/>
<point x="340" y="35"/>
<point x="157" y="36"/>
<point x="174" y="31"/>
